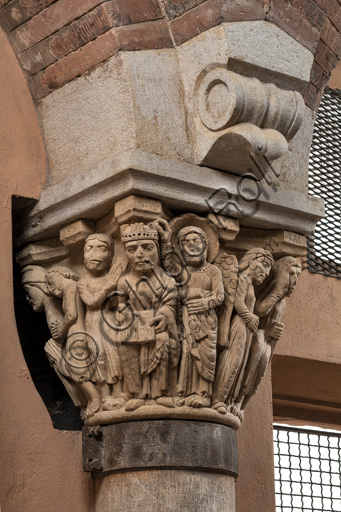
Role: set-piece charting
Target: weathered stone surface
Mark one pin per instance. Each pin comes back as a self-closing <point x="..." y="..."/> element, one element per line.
<point x="279" y="243"/>
<point x="115" y="322"/>
<point x="242" y="10"/>
<point x="163" y="444"/>
<point x="293" y="167"/>
<point x="183" y="186"/>
<point x="76" y="232"/>
<point x="73" y="65"/>
<point x="83" y="121"/>
<point x="165" y="490"/>
<point x="43" y="252"/>
<point x="137" y="208"/>
<point x="160" y="117"/>
<point x="228" y="228"/>
<point x="285" y="55"/>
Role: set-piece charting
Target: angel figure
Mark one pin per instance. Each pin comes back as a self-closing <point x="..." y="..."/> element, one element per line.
<point x="201" y="291"/>
<point x="270" y="307"/>
<point x="254" y="267"/>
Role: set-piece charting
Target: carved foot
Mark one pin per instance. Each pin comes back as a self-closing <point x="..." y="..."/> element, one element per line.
<point x="92" y="407"/>
<point x="236" y="411"/>
<point x="113" y="403"/>
<point x="179" y="402"/>
<point x="166" y="401"/>
<point x="134" y="403"/>
<point x="197" y="401"/>
<point x="220" y="407"/>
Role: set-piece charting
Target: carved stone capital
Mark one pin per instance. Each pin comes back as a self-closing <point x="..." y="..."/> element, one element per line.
<point x="162" y="320"/>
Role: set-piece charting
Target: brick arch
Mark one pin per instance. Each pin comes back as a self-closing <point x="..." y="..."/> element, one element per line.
<point x="56" y="41"/>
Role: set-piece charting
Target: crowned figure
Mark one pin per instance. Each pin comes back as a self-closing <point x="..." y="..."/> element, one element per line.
<point x="149" y="348"/>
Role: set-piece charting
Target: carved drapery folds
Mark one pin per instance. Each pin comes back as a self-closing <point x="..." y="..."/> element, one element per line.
<point x="155" y="319"/>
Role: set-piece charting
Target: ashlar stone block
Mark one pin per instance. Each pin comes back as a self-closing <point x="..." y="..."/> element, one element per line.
<point x="44" y="252"/>
<point x="76" y="232"/>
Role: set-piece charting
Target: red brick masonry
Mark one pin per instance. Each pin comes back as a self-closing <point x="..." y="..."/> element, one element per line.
<point x="56" y="41"/>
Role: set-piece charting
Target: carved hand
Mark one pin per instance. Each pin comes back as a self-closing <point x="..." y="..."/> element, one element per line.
<point x="55" y="329"/>
<point x="252" y="323"/>
<point x="282" y="284"/>
<point x="276" y="331"/>
<point x="195" y="306"/>
<point x="164" y="230"/>
<point x="160" y="323"/>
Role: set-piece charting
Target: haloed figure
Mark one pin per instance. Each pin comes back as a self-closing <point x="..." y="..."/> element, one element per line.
<point x="200" y="295"/>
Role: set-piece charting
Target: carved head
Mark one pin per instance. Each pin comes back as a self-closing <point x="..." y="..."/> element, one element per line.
<point x="33" y="280"/>
<point x="287" y="270"/>
<point x="57" y="278"/>
<point x="256" y="263"/>
<point x="141" y="245"/>
<point x="98" y="252"/>
<point x="194" y="245"/>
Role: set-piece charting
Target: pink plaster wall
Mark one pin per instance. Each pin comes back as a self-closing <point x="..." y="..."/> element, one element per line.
<point x="41" y="467"/>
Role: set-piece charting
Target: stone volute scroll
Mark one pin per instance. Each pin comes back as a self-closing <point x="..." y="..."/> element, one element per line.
<point x="244" y="121"/>
<point x="159" y="321"/>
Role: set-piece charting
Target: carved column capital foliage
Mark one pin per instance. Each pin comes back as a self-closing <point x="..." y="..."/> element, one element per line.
<point x="152" y="317"/>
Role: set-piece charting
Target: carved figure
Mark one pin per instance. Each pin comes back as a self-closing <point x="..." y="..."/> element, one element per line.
<point x="270" y="307"/>
<point x="76" y="360"/>
<point x="41" y="299"/>
<point x="150" y="349"/>
<point x="200" y="295"/>
<point x="254" y="267"/>
<point x="173" y="322"/>
<point x="99" y="281"/>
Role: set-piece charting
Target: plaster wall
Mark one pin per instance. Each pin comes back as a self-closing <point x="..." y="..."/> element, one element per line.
<point x="41" y="467"/>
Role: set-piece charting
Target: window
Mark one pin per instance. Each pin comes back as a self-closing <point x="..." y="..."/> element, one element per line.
<point x="307" y="470"/>
<point x="324" y="246"/>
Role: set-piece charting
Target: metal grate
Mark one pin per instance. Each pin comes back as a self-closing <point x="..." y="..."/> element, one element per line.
<point x="324" y="246"/>
<point x="307" y="470"/>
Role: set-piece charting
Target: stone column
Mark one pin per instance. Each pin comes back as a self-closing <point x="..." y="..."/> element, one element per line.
<point x="162" y="465"/>
<point x="163" y="267"/>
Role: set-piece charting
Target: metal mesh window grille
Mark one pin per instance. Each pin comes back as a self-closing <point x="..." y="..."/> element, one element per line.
<point x="307" y="470"/>
<point x="324" y="246"/>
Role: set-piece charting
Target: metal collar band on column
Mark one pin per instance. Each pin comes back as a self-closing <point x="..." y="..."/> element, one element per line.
<point x="194" y="445"/>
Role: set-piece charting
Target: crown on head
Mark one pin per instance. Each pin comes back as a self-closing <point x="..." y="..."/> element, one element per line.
<point x="139" y="231"/>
